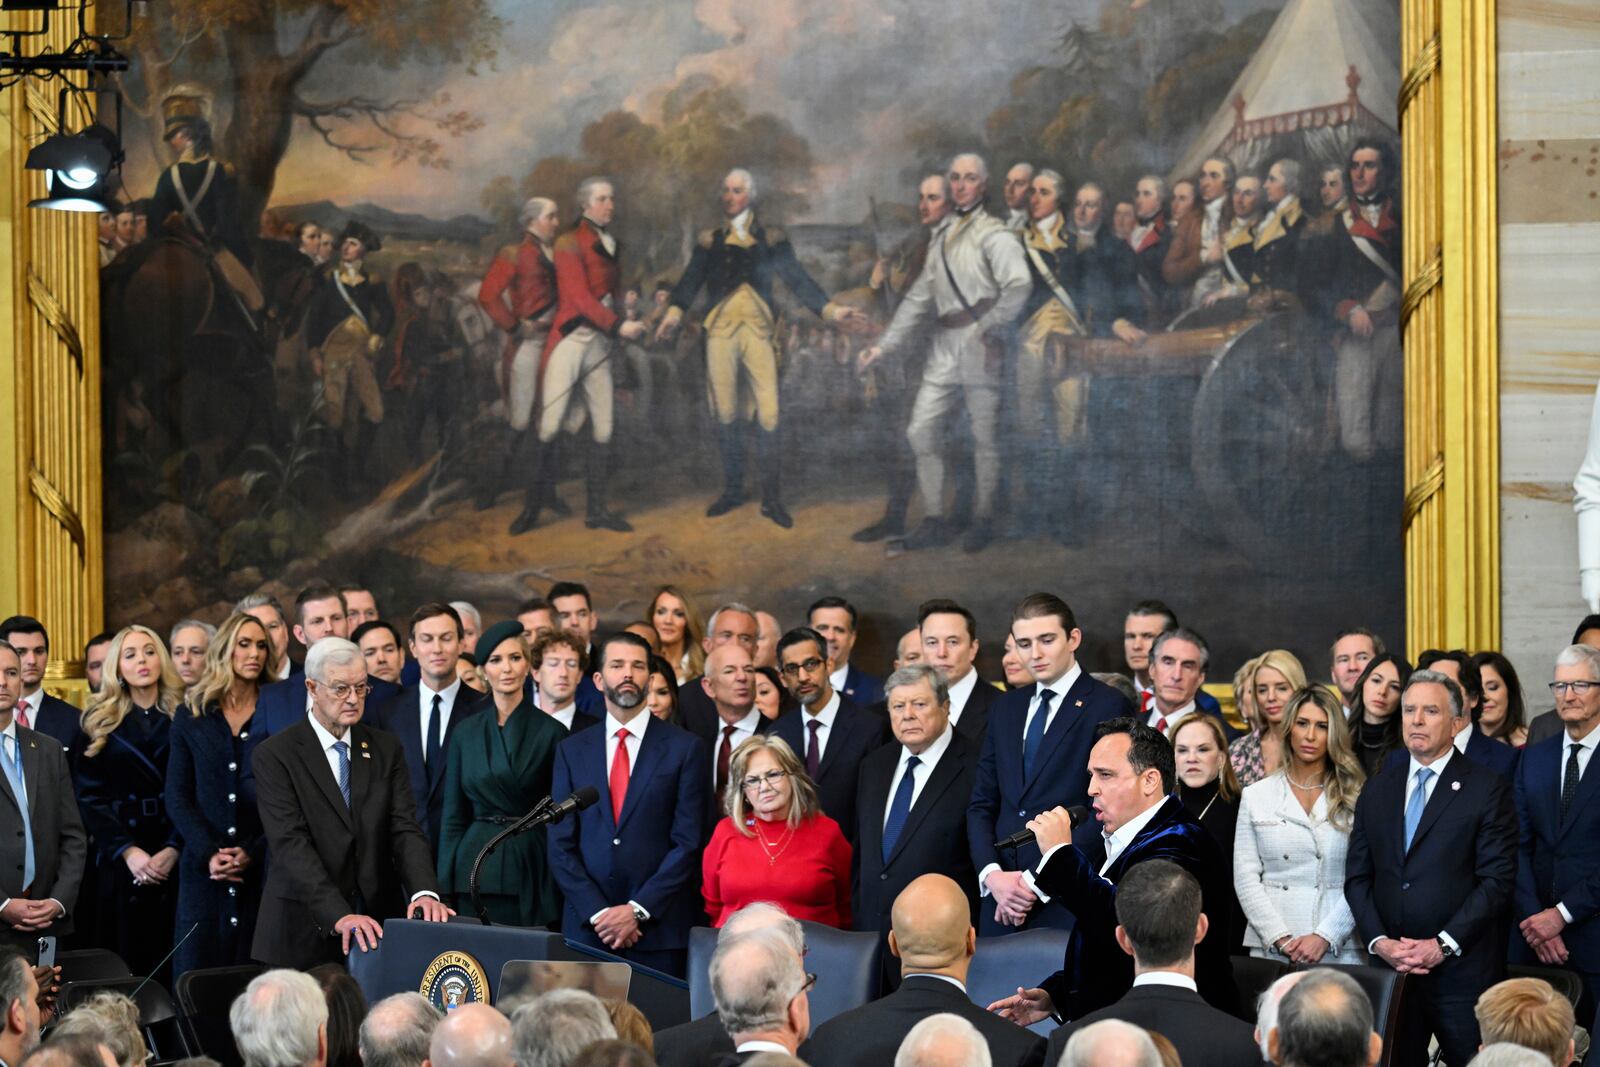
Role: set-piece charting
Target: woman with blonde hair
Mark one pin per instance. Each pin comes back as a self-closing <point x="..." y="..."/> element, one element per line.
<point x="211" y="797"/>
<point x="681" y="630"/>
<point x="1293" y="834"/>
<point x="775" y="844"/>
<point x="122" y="779"/>
<point x="1275" y="676"/>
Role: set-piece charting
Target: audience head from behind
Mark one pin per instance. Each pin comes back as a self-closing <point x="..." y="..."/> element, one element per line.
<point x="759" y="987"/>
<point x="1159" y="917"/>
<point x="630" y="1024"/>
<point x="1046" y="635"/>
<point x="943" y="1040"/>
<point x="553" y="1029"/>
<point x="1131" y="770"/>
<point x="918" y="702"/>
<point x="1325" y="1021"/>
<point x="281" y="1020"/>
<point x="472" y="1035"/>
<point x="1267" y="1011"/>
<point x="1528" y="1012"/>
<point x="1110" y="1043"/>
<point x="765" y="916"/>
<point x="70" y="1051"/>
<point x="774" y="1059"/>
<point x="19" y="992"/>
<point x="614" y="1053"/>
<point x="1432" y="711"/>
<point x="932" y="928"/>
<point x="398" y="1030"/>
<point x="112" y="1020"/>
<point x="1577" y="705"/>
<point x="1505" y="1054"/>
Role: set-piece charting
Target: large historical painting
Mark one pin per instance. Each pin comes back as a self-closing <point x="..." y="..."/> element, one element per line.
<point x="888" y="298"/>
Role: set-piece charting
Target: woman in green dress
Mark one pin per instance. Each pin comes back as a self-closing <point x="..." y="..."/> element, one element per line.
<point x="499" y="768"/>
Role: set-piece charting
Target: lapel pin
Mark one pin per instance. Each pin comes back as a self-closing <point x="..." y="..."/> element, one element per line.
<point x="1077" y="703"/>
<point x="366" y="755"/>
<point x="363" y="744"/>
<point x="1456" y="786"/>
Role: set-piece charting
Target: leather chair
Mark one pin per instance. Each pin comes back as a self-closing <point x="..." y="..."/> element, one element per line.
<point x="846" y="961"/>
<point x="1000" y="964"/>
<point x="1385" y="988"/>
<point x="1254" y="976"/>
<point x="205" y="995"/>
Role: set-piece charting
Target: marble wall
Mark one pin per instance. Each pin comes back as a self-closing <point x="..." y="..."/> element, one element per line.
<point x="1549" y="314"/>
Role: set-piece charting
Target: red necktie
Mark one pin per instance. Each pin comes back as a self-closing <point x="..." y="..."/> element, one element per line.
<point x="1161" y="725"/>
<point x="22" y="714"/>
<point x="1146" y="698"/>
<point x="619" y="776"/>
<point x="724" y="754"/>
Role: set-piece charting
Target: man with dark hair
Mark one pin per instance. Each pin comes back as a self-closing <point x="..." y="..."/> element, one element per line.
<point x="948" y="635"/>
<point x="359" y="605"/>
<point x="19" y="1001"/>
<point x="573" y="611"/>
<point x="1179" y="660"/>
<point x="1352" y="650"/>
<point x="1034" y="757"/>
<point x="1131" y="778"/>
<point x="1146" y="621"/>
<point x="94" y="658"/>
<point x="36" y="709"/>
<point x="1459" y="667"/>
<point x="1326" y="1021"/>
<point x="835" y="619"/>
<point x="319" y="611"/>
<point x="1159" y="922"/>
<point x="382" y="648"/>
<point x="537" y="617"/>
<point x="830" y="733"/>
<point x="628" y="866"/>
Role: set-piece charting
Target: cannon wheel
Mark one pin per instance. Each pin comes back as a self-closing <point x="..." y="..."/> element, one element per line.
<point x="1263" y="436"/>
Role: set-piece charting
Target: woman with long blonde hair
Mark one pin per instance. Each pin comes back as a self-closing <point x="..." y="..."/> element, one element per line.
<point x="1274" y="677"/>
<point x="122" y="779"/>
<point x="681" y="630"/>
<point x="212" y="799"/>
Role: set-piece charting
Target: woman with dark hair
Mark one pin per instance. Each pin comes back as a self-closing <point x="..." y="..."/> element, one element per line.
<point x="347" y="1010"/>
<point x="772" y="696"/>
<point x="661" y="694"/>
<point x="1209" y="788"/>
<point x="1375" y="710"/>
<point x="1502" y="714"/>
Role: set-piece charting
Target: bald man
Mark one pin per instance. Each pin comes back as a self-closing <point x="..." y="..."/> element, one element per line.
<point x="472" y="1035"/>
<point x="933" y="939"/>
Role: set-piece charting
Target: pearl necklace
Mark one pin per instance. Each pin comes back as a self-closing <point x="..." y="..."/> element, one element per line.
<point x="1314" y="787"/>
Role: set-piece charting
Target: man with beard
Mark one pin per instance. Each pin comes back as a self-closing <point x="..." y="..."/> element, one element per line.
<point x="1194" y="262"/>
<point x="1150" y="240"/>
<point x="628" y="866"/>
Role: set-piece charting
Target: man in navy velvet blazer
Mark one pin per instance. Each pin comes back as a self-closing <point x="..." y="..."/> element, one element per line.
<point x="1132" y="775"/>
<point x="1035" y="757"/>
<point x="629" y="866"/>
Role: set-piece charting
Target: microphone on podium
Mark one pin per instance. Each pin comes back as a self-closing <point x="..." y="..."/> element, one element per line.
<point x="1077" y="813"/>
<point x="581" y="798"/>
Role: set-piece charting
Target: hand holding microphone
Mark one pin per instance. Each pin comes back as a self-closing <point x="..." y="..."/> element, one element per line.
<point x="1047" y="829"/>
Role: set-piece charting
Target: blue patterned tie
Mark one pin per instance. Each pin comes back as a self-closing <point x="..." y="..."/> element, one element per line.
<point x="1418" y="801"/>
<point x="19" y="789"/>
<point x="344" y="770"/>
<point x="900" y="807"/>
<point x="1035" y="735"/>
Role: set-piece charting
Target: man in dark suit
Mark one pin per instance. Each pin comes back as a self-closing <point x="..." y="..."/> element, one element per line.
<point x="1035" y="757"/>
<point x="830" y="734"/>
<point x="1470" y="741"/>
<point x="347" y="851"/>
<point x="1549" y="724"/>
<point x="729" y="683"/>
<point x="1159" y="922"/>
<point x="1558" y="863"/>
<point x="42" y="843"/>
<point x="318" y="612"/>
<point x="574" y="612"/>
<point x="1179" y="660"/>
<point x="1132" y="776"/>
<point x="759" y="986"/>
<point x="934" y="940"/>
<point x="629" y="866"/>
<point x="1430" y="871"/>
<point x="835" y="619"/>
<point x="949" y="634"/>
<point x="731" y="624"/>
<point x="424" y="716"/>
<point x="556" y="662"/>
<point x="911" y="818"/>
<point x="1146" y="621"/>
<point x="37" y="710"/>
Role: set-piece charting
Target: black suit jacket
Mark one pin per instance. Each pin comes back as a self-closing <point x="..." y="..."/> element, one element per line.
<point x="1457" y="877"/>
<point x="58" y="719"/>
<point x="870" y="1035"/>
<point x="693" y="1044"/>
<point x="1203" y="1036"/>
<point x="60" y="845"/>
<point x="403" y="718"/>
<point x="933" y="840"/>
<point x="975" y="715"/>
<point x="855" y="734"/>
<point x="327" y="861"/>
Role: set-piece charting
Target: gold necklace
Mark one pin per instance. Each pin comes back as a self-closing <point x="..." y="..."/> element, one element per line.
<point x="781" y="844"/>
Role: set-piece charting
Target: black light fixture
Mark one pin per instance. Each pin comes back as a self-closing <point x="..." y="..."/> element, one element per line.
<point x="29" y="5"/>
<point x="78" y="169"/>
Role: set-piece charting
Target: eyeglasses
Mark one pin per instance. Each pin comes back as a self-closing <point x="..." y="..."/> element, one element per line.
<point x="342" y="691"/>
<point x="809" y="666"/>
<point x="771" y="778"/>
<point x="1576" y="688"/>
<point x="811" y="981"/>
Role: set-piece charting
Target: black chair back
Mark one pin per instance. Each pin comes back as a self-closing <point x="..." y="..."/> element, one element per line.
<point x="204" y="996"/>
<point x="1565" y="982"/>
<point x="164" y="1034"/>
<point x="91" y="964"/>
<point x="1254" y="976"/>
<point x="1385" y="988"/>
<point x="846" y="962"/>
<point x="702" y="943"/>
<point x="1023" y="958"/>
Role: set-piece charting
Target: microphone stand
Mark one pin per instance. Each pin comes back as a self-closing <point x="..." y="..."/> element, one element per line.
<point x="540" y="815"/>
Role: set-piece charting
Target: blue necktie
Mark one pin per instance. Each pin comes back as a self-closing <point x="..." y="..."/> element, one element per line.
<point x="1035" y="735"/>
<point x="19" y="789"/>
<point x="900" y="807"/>
<point x="344" y="770"/>
<point x="1418" y="801"/>
<point x="435" y="729"/>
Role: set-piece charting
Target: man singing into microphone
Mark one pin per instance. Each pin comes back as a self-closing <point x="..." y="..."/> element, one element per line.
<point x="1131" y="774"/>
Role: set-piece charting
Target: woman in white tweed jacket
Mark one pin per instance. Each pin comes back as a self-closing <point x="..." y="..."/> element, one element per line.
<point x="1293" y="831"/>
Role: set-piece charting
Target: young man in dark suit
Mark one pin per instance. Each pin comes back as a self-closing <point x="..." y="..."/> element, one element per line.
<point x="1035" y="757"/>
<point x="1429" y="874"/>
<point x="1138" y="819"/>
<point x="37" y="710"/>
<point x="1470" y="741"/>
<point x="319" y="612"/>
<point x="829" y="732"/>
<point x="949" y="634"/>
<point x="911" y="817"/>
<point x="933" y="939"/>
<point x="347" y="851"/>
<point x="1159" y="922"/>
<point x="836" y="620"/>
<point x="629" y="866"/>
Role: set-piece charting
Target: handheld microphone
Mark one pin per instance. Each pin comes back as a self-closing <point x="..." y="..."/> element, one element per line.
<point x="1077" y="813"/>
<point x="580" y="799"/>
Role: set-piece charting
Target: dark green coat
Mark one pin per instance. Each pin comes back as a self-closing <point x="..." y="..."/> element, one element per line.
<point x="500" y="773"/>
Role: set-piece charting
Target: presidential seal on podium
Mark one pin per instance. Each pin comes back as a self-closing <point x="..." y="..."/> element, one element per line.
<point x="454" y="979"/>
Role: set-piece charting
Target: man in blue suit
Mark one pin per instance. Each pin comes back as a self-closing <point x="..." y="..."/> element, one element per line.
<point x="835" y="619"/>
<point x="319" y="612"/>
<point x="1132" y="775"/>
<point x="574" y="613"/>
<point x="629" y="866"/>
<point x="1558" y="864"/>
<point x="1429" y="874"/>
<point x="1470" y="741"/>
<point x="1035" y="757"/>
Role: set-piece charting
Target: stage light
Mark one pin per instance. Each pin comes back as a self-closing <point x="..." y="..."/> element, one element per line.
<point x="77" y="167"/>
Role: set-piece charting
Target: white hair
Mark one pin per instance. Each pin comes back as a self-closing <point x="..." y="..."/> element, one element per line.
<point x="463" y="608"/>
<point x="552" y="1029"/>
<point x="277" y="1019"/>
<point x="1022" y="165"/>
<point x="745" y="176"/>
<point x="763" y="915"/>
<point x="983" y="164"/>
<point x="1110" y="1041"/>
<point x="473" y="1035"/>
<point x="536" y="206"/>
<point x="943" y="1040"/>
<point x="754" y="978"/>
<point x="1505" y="1054"/>
<point x="1054" y="177"/>
<point x="1267" y="1010"/>
<point x="185" y="624"/>
<point x="1580" y="656"/>
<point x="330" y="652"/>
<point x="736" y="608"/>
<point x="587" y="187"/>
<point x="397" y="1031"/>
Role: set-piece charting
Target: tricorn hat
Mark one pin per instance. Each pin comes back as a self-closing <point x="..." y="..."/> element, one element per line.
<point x="185" y="106"/>
<point x="363" y="233"/>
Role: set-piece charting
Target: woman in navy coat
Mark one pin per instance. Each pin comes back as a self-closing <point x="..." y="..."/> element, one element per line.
<point x="211" y="798"/>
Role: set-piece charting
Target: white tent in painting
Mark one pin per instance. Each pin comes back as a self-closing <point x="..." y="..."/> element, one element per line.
<point x="1326" y="74"/>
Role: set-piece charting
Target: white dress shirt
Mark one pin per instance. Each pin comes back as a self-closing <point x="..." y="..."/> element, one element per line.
<point x="447" y="703"/>
<point x="1463" y="738"/>
<point x="929" y="759"/>
<point x="636" y="727"/>
<point x="960" y="692"/>
<point x="565" y="716"/>
<point x="1173" y="719"/>
<point x="763" y="1046"/>
<point x="12" y="748"/>
<point x="743" y="730"/>
<point x="837" y="678"/>
<point x="1167" y="978"/>
<point x="740" y="224"/>
<point x="829" y="712"/>
<point x="958" y="983"/>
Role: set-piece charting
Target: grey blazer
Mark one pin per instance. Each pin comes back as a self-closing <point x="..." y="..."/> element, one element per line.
<point x="59" y="843"/>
